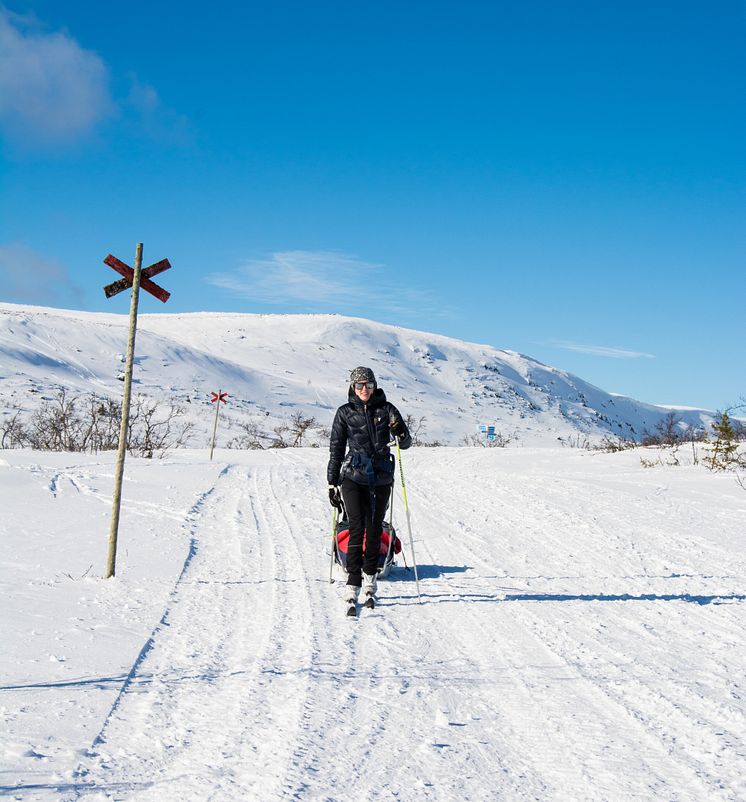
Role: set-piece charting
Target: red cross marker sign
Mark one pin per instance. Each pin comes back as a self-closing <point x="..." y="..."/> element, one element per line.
<point x="129" y="276"/>
<point x="219" y="397"/>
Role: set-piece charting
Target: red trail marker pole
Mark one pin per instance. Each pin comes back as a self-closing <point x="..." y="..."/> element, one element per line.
<point x="216" y="399"/>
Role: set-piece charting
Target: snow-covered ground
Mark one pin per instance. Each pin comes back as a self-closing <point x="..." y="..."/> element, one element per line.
<point x="581" y="634"/>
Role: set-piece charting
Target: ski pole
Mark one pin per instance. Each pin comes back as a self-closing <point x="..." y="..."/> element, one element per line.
<point x="334" y="544"/>
<point x="409" y="520"/>
<point x="391" y="520"/>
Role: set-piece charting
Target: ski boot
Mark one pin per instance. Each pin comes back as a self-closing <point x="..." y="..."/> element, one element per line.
<point x="370" y="586"/>
<point x="351" y="593"/>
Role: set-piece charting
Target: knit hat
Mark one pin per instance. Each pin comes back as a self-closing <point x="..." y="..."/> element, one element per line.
<point x="362" y="375"/>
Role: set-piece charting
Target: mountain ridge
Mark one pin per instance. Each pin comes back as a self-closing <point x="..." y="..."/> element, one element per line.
<point x="273" y="365"/>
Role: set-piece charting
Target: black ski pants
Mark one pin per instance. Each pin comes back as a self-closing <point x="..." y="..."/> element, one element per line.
<point x="358" y="503"/>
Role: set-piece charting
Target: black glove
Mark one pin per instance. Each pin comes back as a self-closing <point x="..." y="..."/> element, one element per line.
<point x="335" y="499"/>
<point x="396" y="427"/>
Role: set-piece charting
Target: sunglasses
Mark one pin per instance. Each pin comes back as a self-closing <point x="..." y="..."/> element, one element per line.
<point x="365" y="385"/>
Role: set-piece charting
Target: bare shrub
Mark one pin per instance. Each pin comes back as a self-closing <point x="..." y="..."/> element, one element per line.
<point x="104" y="417"/>
<point x="57" y="426"/>
<point x="286" y="434"/>
<point x="739" y="430"/>
<point x="280" y="433"/>
<point x="577" y="440"/>
<point x="251" y="437"/>
<point x="12" y="432"/>
<point x="669" y="432"/>
<point x="92" y="423"/>
<point x="612" y="445"/>
<point x="500" y="441"/>
<point x="153" y="430"/>
<point x="739" y="427"/>
<point x="416" y="428"/>
<point x="298" y="427"/>
<point x="473" y="440"/>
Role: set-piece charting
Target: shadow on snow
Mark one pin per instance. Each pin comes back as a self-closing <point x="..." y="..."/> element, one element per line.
<point x="402" y="574"/>
<point x="78" y="788"/>
<point x="499" y="597"/>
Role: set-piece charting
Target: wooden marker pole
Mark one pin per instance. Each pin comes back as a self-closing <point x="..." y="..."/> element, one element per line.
<point x="134" y="278"/>
<point x="119" y="472"/>
<point x="217" y="398"/>
<point x="215" y="425"/>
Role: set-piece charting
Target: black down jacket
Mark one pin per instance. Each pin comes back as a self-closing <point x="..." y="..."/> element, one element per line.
<point x="364" y="428"/>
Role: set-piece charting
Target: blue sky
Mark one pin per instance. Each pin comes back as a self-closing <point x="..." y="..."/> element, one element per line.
<point x="567" y="180"/>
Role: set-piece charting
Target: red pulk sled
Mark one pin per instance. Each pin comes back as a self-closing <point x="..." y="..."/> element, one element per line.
<point x="390" y="546"/>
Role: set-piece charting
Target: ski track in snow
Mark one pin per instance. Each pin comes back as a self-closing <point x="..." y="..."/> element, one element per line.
<point x="624" y="699"/>
<point x="557" y="655"/>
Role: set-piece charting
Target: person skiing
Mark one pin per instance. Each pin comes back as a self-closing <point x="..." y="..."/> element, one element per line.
<point x="363" y="477"/>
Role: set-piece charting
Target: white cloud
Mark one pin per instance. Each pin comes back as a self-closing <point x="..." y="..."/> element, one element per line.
<point x="315" y="277"/>
<point x="322" y="280"/>
<point x="153" y="118"/>
<point x="602" y="350"/>
<point x="29" y="277"/>
<point x="51" y="89"/>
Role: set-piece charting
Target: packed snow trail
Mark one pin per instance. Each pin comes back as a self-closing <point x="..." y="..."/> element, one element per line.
<point x="581" y="637"/>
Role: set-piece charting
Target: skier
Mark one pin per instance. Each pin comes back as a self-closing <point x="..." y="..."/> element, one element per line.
<point x="366" y="424"/>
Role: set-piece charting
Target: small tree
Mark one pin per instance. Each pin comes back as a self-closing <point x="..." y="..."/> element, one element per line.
<point x="102" y="424"/>
<point x="668" y="432"/>
<point x="611" y="444"/>
<point x="416" y="428"/>
<point x="153" y="431"/>
<point x="56" y="425"/>
<point x="251" y="437"/>
<point x="298" y="427"/>
<point x="740" y="429"/>
<point x="12" y="432"/>
<point x="724" y="445"/>
<point x="696" y="434"/>
<point x="279" y="441"/>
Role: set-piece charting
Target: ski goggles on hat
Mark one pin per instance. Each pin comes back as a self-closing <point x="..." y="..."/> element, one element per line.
<point x="364" y="385"/>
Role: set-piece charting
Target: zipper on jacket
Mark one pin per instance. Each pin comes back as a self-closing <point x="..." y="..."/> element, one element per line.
<point x="371" y="430"/>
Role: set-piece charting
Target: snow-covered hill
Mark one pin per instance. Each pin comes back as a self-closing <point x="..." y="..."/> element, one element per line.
<point x="275" y="365"/>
